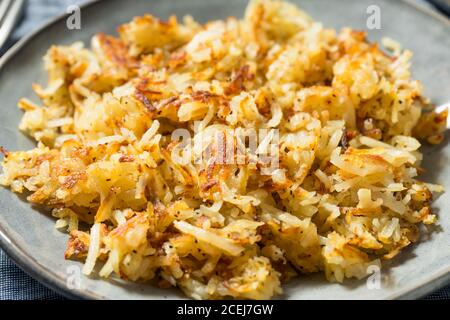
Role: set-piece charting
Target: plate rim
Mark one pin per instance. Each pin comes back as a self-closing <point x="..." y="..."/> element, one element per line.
<point x="51" y="280"/>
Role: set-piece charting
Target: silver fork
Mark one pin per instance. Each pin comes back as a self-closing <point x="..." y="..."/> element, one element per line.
<point x="10" y="11"/>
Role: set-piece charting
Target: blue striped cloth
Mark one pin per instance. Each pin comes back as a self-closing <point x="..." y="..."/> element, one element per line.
<point x="14" y="283"/>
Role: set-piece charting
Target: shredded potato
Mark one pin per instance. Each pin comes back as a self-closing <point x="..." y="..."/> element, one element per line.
<point x="346" y="118"/>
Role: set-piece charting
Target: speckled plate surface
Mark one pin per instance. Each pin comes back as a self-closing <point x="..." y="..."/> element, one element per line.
<point x="29" y="237"/>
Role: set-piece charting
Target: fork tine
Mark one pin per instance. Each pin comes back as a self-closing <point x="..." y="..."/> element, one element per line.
<point x="10" y="18"/>
<point x="4" y="5"/>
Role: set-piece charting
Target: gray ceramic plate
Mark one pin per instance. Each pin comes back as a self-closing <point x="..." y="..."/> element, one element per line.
<point x="29" y="236"/>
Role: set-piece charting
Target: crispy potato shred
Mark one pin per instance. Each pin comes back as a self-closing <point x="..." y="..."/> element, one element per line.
<point x="343" y="198"/>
